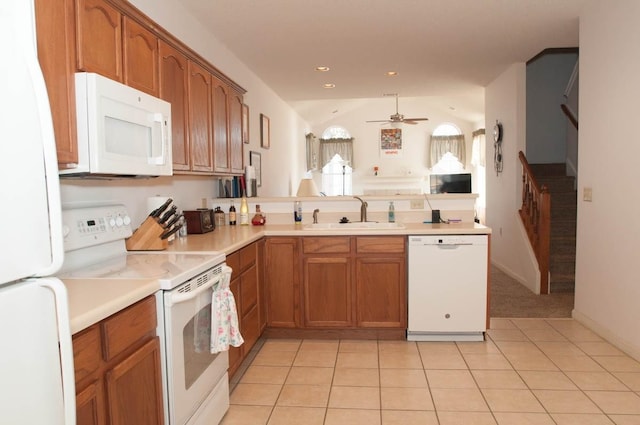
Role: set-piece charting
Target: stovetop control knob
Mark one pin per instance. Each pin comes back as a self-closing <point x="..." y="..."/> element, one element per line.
<point x="127" y="220"/>
<point x="112" y="222"/>
<point x="119" y="221"/>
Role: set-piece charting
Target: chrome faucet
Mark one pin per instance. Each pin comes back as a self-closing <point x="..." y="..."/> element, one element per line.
<point x="363" y="209"/>
<point x="315" y="216"/>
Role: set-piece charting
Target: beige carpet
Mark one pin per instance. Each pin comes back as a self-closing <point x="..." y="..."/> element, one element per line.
<point x="510" y="298"/>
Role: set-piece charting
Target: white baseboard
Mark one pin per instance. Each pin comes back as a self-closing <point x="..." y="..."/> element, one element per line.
<point x="621" y="343"/>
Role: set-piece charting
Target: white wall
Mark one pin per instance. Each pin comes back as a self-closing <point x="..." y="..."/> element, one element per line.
<point x="607" y="287"/>
<point x="505" y="101"/>
<point x="547" y="79"/>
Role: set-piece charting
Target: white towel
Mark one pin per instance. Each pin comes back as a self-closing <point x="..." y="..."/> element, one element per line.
<point x="224" y="317"/>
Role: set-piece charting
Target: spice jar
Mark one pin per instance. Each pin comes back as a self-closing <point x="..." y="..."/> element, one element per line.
<point x="218" y="217"/>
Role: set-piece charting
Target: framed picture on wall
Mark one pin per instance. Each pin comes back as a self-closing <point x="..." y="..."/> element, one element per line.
<point x="265" y="131"/>
<point x="255" y="160"/>
<point x="391" y="142"/>
<point x="245" y="123"/>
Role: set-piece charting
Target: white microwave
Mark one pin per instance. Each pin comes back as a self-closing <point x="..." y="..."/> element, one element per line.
<point x="121" y="131"/>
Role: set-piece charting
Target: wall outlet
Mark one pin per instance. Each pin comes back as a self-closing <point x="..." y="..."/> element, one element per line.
<point x="417" y="204"/>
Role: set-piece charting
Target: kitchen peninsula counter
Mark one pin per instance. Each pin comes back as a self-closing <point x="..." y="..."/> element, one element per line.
<point x="228" y="239"/>
<point x="91" y="300"/>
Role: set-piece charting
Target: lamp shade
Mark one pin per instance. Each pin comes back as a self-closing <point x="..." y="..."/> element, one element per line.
<point x="307" y="187"/>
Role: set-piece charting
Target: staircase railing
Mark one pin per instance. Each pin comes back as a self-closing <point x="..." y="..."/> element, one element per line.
<point x="535" y="214"/>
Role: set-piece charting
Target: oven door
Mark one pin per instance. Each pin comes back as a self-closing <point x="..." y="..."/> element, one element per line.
<point x="192" y="371"/>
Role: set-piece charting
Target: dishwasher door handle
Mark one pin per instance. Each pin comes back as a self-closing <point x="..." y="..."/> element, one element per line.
<point x="452" y="245"/>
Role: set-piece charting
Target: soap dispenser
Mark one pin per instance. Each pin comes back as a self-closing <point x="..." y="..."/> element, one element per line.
<point x="392" y="213"/>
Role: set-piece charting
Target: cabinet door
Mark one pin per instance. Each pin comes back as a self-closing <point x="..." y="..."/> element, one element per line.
<point x="173" y="89"/>
<point x="140" y="57"/>
<point x="134" y="388"/>
<point x="200" y="138"/>
<point x="236" y="145"/>
<point x="236" y="353"/>
<point x="327" y="292"/>
<point x="56" y="54"/>
<point x="281" y="282"/>
<point x="250" y="310"/>
<point x="381" y="287"/>
<point x="99" y="38"/>
<point x="220" y="105"/>
<point x="90" y="405"/>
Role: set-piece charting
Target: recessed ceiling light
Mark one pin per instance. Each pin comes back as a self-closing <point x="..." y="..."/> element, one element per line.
<point x="329" y="86"/>
<point x="322" y="68"/>
<point x="391" y="73"/>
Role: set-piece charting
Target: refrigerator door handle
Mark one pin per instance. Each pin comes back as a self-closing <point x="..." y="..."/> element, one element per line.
<point x="66" y="347"/>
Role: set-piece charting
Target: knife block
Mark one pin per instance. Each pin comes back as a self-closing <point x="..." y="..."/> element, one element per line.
<point x="147" y="237"/>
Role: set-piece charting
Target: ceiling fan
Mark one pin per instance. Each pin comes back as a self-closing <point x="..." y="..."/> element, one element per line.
<point x="399" y="118"/>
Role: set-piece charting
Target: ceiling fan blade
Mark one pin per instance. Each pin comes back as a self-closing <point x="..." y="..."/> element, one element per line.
<point x="416" y="119"/>
<point x="379" y="121"/>
<point x="409" y="122"/>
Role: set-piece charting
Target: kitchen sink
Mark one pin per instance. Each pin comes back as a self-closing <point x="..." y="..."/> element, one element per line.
<point x="355" y="226"/>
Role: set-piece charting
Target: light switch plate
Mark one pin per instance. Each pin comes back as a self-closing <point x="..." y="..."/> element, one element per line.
<point x="587" y="194"/>
<point x="417" y="204"/>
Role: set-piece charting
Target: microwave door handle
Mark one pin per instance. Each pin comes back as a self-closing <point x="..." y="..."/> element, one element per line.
<point x="160" y="160"/>
<point x="178" y="298"/>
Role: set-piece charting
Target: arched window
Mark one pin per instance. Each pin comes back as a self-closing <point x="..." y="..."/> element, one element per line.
<point x="336" y="160"/>
<point x="447" y="151"/>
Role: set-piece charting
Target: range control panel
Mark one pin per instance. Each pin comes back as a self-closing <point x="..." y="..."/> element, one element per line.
<point x="89" y="226"/>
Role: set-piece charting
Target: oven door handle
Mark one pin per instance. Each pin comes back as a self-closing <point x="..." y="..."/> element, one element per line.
<point x="180" y="297"/>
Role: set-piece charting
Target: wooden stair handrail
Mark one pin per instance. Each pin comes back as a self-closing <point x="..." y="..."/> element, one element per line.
<point x="535" y="214"/>
<point x="570" y="114"/>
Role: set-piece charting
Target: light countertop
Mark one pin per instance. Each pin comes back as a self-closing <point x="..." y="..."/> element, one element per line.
<point x="91" y="300"/>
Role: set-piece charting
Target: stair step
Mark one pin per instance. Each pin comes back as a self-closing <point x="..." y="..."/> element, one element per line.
<point x="562" y="287"/>
<point x="557" y="184"/>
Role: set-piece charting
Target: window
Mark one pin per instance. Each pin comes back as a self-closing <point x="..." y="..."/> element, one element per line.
<point x="447" y="150"/>
<point x="337" y="177"/>
<point x="336" y="158"/>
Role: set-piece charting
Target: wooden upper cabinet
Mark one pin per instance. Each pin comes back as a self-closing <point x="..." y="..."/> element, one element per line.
<point x="140" y="57"/>
<point x="174" y="77"/>
<point x="56" y="53"/>
<point x="200" y="136"/>
<point x="220" y="110"/>
<point x="235" y="133"/>
<point x="99" y="38"/>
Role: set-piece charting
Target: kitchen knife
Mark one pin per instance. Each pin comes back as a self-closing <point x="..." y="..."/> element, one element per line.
<point x="167" y="215"/>
<point x="174" y="220"/>
<point x="168" y="233"/>
<point x="156" y="213"/>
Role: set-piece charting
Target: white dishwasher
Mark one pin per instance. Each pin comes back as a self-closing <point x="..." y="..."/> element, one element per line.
<point x="447" y="287"/>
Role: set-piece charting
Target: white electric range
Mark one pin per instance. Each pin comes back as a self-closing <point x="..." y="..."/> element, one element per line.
<point x="195" y="381"/>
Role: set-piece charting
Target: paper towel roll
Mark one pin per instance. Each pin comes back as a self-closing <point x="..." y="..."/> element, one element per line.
<point x="154" y="202"/>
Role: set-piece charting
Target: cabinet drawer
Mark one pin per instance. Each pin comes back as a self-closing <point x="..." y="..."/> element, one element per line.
<point x="248" y="256"/>
<point x="86" y="352"/>
<point x="233" y="261"/>
<point x="326" y="245"/>
<point x="128" y="326"/>
<point x="380" y="244"/>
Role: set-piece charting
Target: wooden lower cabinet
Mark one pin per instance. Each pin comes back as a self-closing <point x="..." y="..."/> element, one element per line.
<point x="354" y="284"/>
<point x="245" y="286"/>
<point x="118" y="370"/>
<point x="282" y="282"/>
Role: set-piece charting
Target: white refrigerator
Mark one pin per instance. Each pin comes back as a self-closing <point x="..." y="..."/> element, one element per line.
<point x="36" y="359"/>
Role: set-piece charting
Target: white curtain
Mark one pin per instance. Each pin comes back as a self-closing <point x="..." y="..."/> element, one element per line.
<point x="330" y="147"/>
<point x="440" y="145"/>
<point x="478" y="149"/>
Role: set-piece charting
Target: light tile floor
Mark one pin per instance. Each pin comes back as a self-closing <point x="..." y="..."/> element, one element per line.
<point x="528" y="371"/>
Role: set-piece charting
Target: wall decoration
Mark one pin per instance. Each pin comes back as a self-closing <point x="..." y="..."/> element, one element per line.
<point x="255" y="160"/>
<point x="245" y="123"/>
<point x="265" y="131"/>
<point x="391" y="142"/>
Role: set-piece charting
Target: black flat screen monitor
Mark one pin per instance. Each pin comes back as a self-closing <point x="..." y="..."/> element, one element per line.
<point x="450" y="183"/>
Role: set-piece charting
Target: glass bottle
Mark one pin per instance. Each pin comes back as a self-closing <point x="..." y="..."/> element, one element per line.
<point x="219" y="218"/>
<point x="244" y="212"/>
<point x="232" y="214"/>
<point x="297" y="212"/>
<point x="258" y="219"/>
<point x="392" y="213"/>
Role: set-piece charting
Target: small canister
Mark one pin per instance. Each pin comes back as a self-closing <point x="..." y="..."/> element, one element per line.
<point x="218" y="217"/>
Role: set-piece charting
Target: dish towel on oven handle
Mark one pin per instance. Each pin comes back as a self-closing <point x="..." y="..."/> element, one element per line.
<point x="224" y="316"/>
